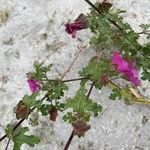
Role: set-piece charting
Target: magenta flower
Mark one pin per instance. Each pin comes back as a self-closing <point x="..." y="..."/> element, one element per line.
<point x="34" y="85"/>
<point x="79" y="24"/>
<point x="127" y="69"/>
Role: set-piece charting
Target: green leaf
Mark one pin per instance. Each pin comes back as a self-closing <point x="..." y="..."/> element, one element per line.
<point x="40" y="71"/>
<point x="31" y="101"/>
<point x="20" y="138"/>
<point x="9" y="131"/>
<point x="146" y="75"/>
<point x="57" y="90"/>
<point x="45" y="109"/>
<point x="60" y="106"/>
<point x="145" y="26"/>
<point x="148" y="36"/>
<point x="146" y="50"/>
<point x="94" y="70"/>
<point x="70" y="117"/>
<point x="115" y="94"/>
<point x="81" y="104"/>
<point x="110" y="30"/>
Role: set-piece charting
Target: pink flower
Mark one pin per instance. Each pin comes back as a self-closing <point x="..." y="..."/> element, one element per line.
<point x="34" y="85"/>
<point x="127" y="69"/>
<point x="79" y="24"/>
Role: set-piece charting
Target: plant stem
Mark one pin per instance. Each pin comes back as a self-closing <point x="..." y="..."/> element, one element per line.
<point x="74" y="60"/>
<point x="90" y="90"/>
<point x="144" y="32"/>
<point x="142" y="101"/>
<point x="69" y="80"/>
<point x="3" y="137"/>
<point x="7" y="144"/>
<point x="114" y="85"/>
<point x="93" y="6"/>
<point x="21" y="121"/>
<point x="73" y="79"/>
<point x="69" y="141"/>
<point x="72" y="134"/>
<point x="115" y="78"/>
<point x="99" y="12"/>
<point x="110" y="20"/>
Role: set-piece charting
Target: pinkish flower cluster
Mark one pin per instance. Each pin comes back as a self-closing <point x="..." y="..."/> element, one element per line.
<point x="127" y="69"/>
<point x="79" y="24"/>
<point x="34" y="85"/>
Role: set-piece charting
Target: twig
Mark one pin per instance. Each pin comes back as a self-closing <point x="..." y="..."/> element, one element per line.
<point x="115" y="78"/>
<point x="3" y="137"/>
<point x="99" y="12"/>
<point x="77" y="55"/>
<point x="72" y="134"/>
<point x="139" y="97"/>
<point x="69" y="141"/>
<point x="110" y="20"/>
<point x="7" y="144"/>
<point x="21" y="121"/>
<point x="145" y="32"/>
<point x="70" y="80"/>
<point x="92" y="5"/>
<point x="90" y="90"/>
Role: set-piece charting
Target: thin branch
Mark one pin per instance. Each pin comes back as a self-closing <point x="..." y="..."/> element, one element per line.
<point x="70" y="80"/>
<point x="77" y="55"/>
<point x="145" y="32"/>
<point x="93" y="6"/>
<point x="72" y="134"/>
<point x="99" y="12"/>
<point x="7" y="144"/>
<point x="115" y="78"/>
<point x="69" y="140"/>
<point x="113" y="84"/>
<point x="90" y="90"/>
<point x="21" y="121"/>
<point x="110" y="20"/>
<point x="3" y="137"/>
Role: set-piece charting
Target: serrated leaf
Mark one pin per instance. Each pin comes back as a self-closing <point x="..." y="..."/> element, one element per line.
<point x="44" y="109"/>
<point x="69" y="117"/>
<point x="20" y="138"/>
<point x="57" y="90"/>
<point x="81" y="104"/>
<point x="40" y="72"/>
<point x="60" y="106"/>
<point x="31" y="101"/>
<point x="146" y="50"/>
<point x="9" y="130"/>
<point x="148" y="36"/>
<point x="145" y="26"/>
<point x="94" y="70"/>
<point x="110" y="30"/>
<point x="146" y="75"/>
<point x="115" y="94"/>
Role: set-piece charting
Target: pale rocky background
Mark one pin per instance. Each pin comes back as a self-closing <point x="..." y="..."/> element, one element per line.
<point x="33" y="31"/>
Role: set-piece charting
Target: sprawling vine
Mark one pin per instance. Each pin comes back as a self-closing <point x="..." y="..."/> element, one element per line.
<point x="119" y="56"/>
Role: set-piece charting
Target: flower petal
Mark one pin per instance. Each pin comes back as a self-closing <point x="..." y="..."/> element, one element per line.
<point x="127" y="69"/>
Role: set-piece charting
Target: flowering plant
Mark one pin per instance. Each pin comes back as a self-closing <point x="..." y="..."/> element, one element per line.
<point x="119" y="56"/>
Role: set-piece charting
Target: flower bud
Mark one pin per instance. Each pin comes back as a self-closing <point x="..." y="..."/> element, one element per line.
<point x="53" y="114"/>
<point x="80" y="127"/>
<point x="22" y="110"/>
<point x="80" y="23"/>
